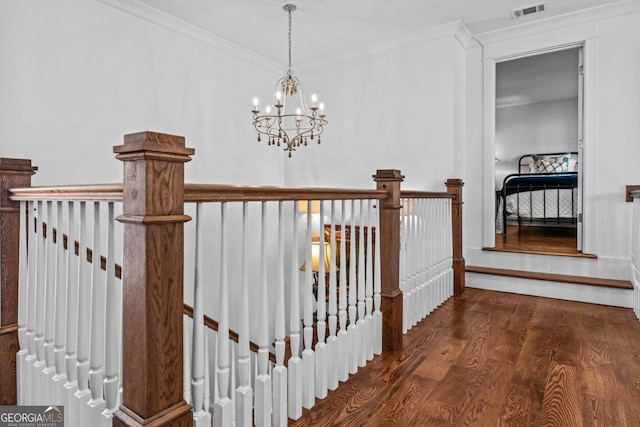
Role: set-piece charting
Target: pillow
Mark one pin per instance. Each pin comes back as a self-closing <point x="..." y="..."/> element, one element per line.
<point x="547" y="166"/>
<point x="551" y="163"/>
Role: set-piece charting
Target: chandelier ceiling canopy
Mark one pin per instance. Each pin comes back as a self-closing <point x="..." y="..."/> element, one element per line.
<point x="290" y="123"/>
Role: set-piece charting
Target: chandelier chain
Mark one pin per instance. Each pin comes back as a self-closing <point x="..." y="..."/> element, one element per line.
<point x="289" y="72"/>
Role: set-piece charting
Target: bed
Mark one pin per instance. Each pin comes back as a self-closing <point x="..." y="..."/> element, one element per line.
<point x="544" y="191"/>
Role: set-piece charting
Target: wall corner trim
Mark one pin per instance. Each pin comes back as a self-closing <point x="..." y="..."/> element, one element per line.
<point x="463" y="35"/>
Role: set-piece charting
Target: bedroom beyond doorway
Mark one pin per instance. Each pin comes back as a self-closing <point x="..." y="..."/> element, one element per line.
<point x="538" y="168"/>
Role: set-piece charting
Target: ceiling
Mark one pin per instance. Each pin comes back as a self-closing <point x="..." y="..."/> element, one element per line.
<point x="323" y="29"/>
<point x="546" y="77"/>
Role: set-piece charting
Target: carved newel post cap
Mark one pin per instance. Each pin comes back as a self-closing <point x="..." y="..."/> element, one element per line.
<point x="153" y="142"/>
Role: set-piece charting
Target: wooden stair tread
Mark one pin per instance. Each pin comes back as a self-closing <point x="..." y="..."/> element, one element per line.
<point x="581" y="280"/>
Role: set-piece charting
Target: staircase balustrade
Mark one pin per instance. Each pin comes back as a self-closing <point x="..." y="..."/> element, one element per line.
<point x="321" y="279"/>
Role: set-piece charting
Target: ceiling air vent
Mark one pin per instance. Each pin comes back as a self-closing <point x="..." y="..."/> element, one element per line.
<point x="528" y="10"/>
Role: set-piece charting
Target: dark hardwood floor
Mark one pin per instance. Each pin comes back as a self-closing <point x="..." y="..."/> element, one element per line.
<point x="559" y="241"/>
<point x="497" y="359"/>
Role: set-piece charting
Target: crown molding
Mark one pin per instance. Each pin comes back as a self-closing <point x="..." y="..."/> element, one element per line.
<point x="171" y="23"/>
<point x="583" y="16"/>
<point x="440" y="32"/>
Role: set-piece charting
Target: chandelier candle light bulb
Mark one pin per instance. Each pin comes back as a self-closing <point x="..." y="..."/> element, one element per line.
<point x="292" y="122"/>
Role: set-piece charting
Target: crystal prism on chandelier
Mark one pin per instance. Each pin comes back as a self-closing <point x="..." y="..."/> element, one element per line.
<point x="290" y="123"/>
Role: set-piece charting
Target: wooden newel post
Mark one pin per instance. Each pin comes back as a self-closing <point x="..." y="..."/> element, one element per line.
<point x="391" y="302"/>
<point x="152" y="281"/>
<point x="14" y="173"/>
<point x="454" y="186"/>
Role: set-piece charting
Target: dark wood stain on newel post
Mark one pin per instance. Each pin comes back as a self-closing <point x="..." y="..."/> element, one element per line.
<point x="454" y="186"/>
<point x="391" y="303"/>
<point x="14" y="173"/>
<point x="152" y="282"/>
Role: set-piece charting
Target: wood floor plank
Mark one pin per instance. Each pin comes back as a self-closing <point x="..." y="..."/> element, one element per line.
<point x="487" y="405"/>
<point x="487" y="359"/>
<point x="562" y="402"/>
<point x="508" y="332"/>
<point x="475" y="353"/>
<point x="438" y="360"/>
<point x="521" y="407"/>
<point x="600" y="411"/>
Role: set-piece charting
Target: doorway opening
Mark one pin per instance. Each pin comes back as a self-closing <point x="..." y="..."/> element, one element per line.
<point x="538" y="153"/>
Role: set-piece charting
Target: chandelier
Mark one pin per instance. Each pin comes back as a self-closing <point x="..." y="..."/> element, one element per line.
<point x="290" y="123"/>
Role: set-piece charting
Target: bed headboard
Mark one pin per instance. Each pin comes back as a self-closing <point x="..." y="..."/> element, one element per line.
<point x="566" y="161"/>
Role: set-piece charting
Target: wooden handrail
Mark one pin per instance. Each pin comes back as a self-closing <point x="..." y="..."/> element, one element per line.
<point x="199" y="193"/>
<point x="416" y="194"/>
<point x="233" y="335"/>
<point x="632" y="192"/>
<point x="237" y="193"/>
<point x="106" y="192"/>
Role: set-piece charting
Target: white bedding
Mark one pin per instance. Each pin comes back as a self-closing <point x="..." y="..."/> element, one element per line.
<point x="532" y="204"/>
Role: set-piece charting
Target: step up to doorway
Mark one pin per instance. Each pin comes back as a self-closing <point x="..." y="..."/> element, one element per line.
<point x="551" y="277"/>
<point x="594" y="290"/>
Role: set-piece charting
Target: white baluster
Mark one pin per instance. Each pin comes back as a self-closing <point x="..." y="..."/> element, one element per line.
<point x="295" y="363"/>
<point x="23" y="307"/>
<point x="186" y="358"/>
<point x="425" y="240"/>
<point x="201" y="416"/>
<point x="449" y="235"/>
<point x="308" y="355"/>
<point x="30" y="360"/>
<point x="362" y="356"/>
<point x="206" y="402"/>
<point x="377" y="284"/>
<point x="71" y="386"/>
<point x="244" y="394"/>
<point x="342" y="354"/>
<point x="113" y="323"/>
<point x="263" y="380"/>
<point x="280" y="371"/>
<point x="40" y="385"/>
<point x="353" y="290"/>
<point x="98" y="307"/>
<point x="333" y="362"/>
<point x="412" y="263"/>
<point x="403" y="267"/>
<point x="83" y="394"/>
<point x="369" y="286"/>
<point x="223" y="406"/>
<point x="59" y="353"/>
<point x="321" y="314"/>
<point x="49" y="315"/>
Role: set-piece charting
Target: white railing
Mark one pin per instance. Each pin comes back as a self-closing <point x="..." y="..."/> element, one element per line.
<point x="69" y="310"/>
<point x="426" y="273"/>
<point x="334" y="324"/>
<point x="635" y="253"/>
<point x="298" y="277"/>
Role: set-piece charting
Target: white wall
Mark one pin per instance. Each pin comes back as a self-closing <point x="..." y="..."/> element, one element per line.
<point x="612" y="65"/>
<point x="393" y="109"/>
<point x="542" y="127"/>
<point x="76" y="76"/>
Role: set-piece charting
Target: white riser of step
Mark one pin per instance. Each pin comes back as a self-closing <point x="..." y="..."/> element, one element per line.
<point x="551" y="289"/>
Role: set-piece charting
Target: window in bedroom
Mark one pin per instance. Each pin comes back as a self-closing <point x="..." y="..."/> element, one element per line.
<point x="537" y="160"/>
